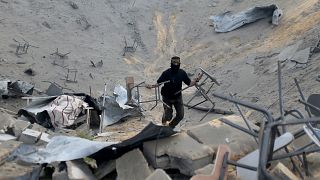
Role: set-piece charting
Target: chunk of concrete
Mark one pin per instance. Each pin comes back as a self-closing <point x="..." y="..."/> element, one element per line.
<point x="159" y="174"/>
<point x="301" y="56"/>
<point x="178" y="152"/>
<point x="44" y="138"/>
<point x="38" y="127"/>
<point x="6" y="137"/>
<point x="206" y="170"/>
<point x="19" y="126"/>
<point x="215" y="132"/>
<point x="30" y="136"/>
<point x="6" y="121"/>
<point x="78" y="169"/>
<point x="105" y="168"/>
<point x="13" y="170"/>
<point x="132" y="165"/>
<point x="6" y="148"/>
<point x="288" y="52"/>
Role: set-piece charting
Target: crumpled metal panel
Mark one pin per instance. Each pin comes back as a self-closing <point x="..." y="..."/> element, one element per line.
<point x="21" y="87"/>
<point x="115" y="108"/>
<point x="60" y="148"/>
<point x="228" y="22"/>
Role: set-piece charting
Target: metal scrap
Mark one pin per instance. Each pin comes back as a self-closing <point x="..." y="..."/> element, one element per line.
<point x="228" y="22"/>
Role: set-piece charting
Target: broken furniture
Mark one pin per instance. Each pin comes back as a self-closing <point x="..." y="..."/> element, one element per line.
<point x="129" y="49"/>
<point x="22" y="47"/>
<point x="59" y="111"/>
<point x="203" y="88"/>
<point x="71" y="75"/>
<point x="59" y="58"/>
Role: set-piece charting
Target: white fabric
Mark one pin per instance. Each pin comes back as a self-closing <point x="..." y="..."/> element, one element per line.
<point x="64" y="110"/>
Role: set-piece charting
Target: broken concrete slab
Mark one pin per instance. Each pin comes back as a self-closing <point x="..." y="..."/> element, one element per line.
<point x="206" y="170"/>
<point x="178" y="152"/>
<point x="30" y="136"/>
<point x="44" y="138"/>
<point x="19" y="126"/>
<point x="6" y="137"/>
<point x="132" y="165"/>
<point x="214" y="133"/>
<point x="78" y="169"/>
<point x="105" y="168"/>
<point x="159" y="174"/>
<point x="301" y="56"/>
<point x="38" y="127"/>
<point x="13" y="170"/>
<point x="288" y="52"/>
<point x="282" y="172"/>
<point x="7" y="148"/>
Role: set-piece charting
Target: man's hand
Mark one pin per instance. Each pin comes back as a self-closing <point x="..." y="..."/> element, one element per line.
<point x="197" y="79"/>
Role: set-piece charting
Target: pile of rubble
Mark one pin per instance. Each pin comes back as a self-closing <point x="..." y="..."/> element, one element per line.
<point x="54" y="137"/>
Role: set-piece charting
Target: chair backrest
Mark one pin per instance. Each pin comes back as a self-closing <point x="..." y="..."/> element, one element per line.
<point x="314" y="99"/>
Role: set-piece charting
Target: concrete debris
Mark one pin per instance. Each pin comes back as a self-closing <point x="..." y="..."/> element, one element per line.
<point x="30" y="136"/>
<point x="78" y="169"/>
<point x="228" y="22"/>
<point x="178" y="152"/>
<point x="206" y="170"/>
<point x="7" y="148"/>
<point x="239" y="142"/>
<point x="159" y="174"/>
<point x="288" y="52"/>
<point x="19" y="126"/>
<point x="301" y="56"/>
<point x="13" y="170"/>
<point x="6" y="121"/>
<point x="105" y="169"/>
<point x="132" y="165"/>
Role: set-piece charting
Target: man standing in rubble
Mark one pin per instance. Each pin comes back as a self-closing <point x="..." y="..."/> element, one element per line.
<point x="172" y="79"/>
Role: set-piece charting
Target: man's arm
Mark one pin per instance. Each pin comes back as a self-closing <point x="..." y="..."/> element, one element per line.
<point x="159" y="81"/>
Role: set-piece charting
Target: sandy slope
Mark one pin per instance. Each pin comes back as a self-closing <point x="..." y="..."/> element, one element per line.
<point x="161" y="29"/>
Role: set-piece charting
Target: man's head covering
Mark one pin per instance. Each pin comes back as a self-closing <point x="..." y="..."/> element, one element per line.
<point x="175" y="60"/>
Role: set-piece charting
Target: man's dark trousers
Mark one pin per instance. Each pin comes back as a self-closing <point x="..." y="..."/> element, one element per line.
<point x="167" y="114"/>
